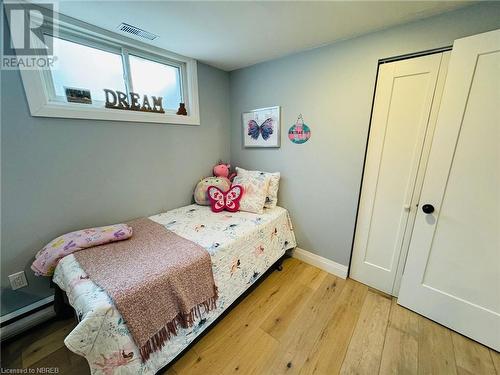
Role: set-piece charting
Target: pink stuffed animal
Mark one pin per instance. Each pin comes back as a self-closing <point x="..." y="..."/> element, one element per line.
<point x="223" y="170"/>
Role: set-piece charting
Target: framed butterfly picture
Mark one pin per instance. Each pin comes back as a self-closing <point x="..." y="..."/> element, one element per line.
<point x="261" y="127"/>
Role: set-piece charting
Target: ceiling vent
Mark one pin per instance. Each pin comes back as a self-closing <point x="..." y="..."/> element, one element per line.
<point x="126" y="28"/>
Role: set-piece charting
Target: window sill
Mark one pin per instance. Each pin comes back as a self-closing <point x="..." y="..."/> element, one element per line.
<point x="84" y="111"/>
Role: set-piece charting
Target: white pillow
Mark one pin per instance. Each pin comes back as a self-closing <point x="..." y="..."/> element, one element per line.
<point x="274" y="184"/>
<point x="254" y="192"/>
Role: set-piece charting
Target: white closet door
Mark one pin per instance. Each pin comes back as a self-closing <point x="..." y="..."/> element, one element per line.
<point x="401" y="115"/>
<point x="452" y="273"/>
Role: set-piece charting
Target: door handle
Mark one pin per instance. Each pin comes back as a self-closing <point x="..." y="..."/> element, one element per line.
<point x="428" y="208"/>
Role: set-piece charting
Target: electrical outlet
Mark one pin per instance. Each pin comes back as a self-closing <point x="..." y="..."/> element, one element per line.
<point x="18" y="280"/>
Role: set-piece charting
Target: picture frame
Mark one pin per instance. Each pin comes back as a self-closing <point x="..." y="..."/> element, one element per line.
<point x="77" y="95"/>
<point x="261" y="128"/>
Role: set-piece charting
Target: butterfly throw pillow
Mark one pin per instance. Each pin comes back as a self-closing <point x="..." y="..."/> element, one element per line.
<point x="229" y="200"/>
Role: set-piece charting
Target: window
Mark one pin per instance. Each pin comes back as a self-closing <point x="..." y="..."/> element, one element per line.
<point x="156" y="79"/>
<point x="86" y="67"/>
<point x="95" y="59"/>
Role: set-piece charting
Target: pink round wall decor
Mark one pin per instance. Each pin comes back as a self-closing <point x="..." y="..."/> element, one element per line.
<point x="299" y="132"/>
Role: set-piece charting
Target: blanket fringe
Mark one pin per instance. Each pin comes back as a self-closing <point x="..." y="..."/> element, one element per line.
<point x="184" y="320"/>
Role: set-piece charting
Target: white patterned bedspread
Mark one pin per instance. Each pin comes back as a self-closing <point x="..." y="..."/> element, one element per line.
<point x="242" y="246"/>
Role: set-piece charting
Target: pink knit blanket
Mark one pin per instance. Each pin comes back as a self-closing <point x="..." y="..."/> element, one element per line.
<point x="157" y="280"/>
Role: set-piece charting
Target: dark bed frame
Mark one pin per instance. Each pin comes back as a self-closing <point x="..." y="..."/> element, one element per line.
<point x="63" y="310"/>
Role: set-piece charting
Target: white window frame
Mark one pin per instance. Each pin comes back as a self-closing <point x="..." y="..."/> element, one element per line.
<point x="39" y="87"/>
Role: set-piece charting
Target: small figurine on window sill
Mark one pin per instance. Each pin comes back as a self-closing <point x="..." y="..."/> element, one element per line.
<point x="182" y="109"/>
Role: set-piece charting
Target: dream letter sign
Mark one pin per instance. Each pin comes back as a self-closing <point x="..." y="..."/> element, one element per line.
<point x="119" y="100"/>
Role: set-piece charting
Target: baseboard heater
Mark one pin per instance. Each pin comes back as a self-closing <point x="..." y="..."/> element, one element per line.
<point x="26" y="317"/>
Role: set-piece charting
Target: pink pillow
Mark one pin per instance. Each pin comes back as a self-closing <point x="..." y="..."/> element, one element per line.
<point x="46" y="259"/>
<point x="229" y="200"/>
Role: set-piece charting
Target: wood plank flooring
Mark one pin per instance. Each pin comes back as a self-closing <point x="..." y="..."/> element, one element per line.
<point x="299" y="321"/>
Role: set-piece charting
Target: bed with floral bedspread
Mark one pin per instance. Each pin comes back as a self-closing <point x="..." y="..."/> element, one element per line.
<point x="242" y="247"/>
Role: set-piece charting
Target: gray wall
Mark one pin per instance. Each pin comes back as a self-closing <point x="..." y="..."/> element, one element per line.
<point x="333" y="88"/>
<point x="60" y="175"/>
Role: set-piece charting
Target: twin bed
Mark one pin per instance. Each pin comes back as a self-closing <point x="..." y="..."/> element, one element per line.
<point x="242" y="247"/>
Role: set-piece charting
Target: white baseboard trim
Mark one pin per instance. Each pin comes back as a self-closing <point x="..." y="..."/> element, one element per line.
<point x="327" y="265"/>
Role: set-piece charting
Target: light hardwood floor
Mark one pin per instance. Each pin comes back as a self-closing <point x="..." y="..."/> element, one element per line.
<point x="298" y="321"/>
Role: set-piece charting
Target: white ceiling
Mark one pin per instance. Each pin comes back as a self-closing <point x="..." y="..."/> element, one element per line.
<point x="232" y="35"/>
